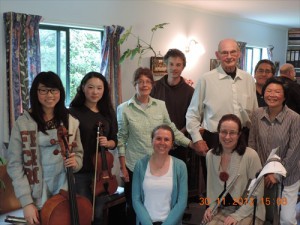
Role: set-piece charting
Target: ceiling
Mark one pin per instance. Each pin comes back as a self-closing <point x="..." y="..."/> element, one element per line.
<point x="284" y="13"/>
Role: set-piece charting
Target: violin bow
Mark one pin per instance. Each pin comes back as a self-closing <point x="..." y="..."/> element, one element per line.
<point x="95" y="175"/>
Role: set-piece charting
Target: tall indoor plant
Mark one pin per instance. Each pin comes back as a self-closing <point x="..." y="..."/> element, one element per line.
<point x="142" y="47"/>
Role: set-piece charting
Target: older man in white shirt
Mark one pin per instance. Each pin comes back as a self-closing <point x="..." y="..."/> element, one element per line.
<point x="226" y="89"/>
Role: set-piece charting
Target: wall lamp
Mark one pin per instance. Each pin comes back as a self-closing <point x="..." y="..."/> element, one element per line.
<point x="190" y="44"/>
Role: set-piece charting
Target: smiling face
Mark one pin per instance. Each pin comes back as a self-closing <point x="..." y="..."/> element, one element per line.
<point x="229" y="135"/>
<point x="274" y="95"/>
<point x="228" y="53"/>
<point x="162" y="141"/>
<point x="263" y="73"/>
<point x="93" y="90"/>
<point x="143" y="86"/>
<point x="48" y="97"/>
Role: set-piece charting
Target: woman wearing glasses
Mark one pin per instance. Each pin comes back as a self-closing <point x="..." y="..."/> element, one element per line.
<point x="274" y="126"/>
<point x="136" y="120"/>
<point x="35" y="166"/>
<point x="224" y="162"/>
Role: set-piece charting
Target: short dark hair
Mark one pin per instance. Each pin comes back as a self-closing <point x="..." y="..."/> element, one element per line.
<point x="241" y="144"/>
<point x="173" y="52"/>
<point x="142" y="71"/>
<point x="276" y="80"/>
<point x="50" y="80"/>
<point x="269" y="62"/>
<point x="163" y="127"/>
<point x="104" y="105"/>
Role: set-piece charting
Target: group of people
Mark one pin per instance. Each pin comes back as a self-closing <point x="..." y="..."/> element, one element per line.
<point x="152" y="130"/>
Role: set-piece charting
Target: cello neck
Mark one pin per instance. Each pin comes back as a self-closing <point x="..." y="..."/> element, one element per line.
<point x="72" y="198"/>
<point x="62" y="134"/>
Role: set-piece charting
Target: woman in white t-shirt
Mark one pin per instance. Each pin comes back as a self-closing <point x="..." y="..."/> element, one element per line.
<point x="159" y="188"/>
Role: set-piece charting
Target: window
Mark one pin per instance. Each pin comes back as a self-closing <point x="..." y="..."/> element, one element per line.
<point x="71" y="53"/>
<point x="253" y="55"/>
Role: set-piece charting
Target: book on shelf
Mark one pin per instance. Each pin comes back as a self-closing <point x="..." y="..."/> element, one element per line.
<point x="293" y="57"/>
<point x="296" y="57"/>
<point x="294" y="36"/>
<point x="294" y="42"/>
<point x="288" y="56"/>
<point x="294" y="31"/>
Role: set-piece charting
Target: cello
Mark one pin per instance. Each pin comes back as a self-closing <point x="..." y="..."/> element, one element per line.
<point x="66" y="208"/>
<point x="104" y="181"/>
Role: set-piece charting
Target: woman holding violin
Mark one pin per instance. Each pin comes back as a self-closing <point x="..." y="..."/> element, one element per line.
<point x="37" y="171"/>
<point x="91" y="105"/>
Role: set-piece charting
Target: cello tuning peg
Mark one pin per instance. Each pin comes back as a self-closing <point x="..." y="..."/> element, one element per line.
<point x="53" y="141"/>
<point x="56" y="152"/>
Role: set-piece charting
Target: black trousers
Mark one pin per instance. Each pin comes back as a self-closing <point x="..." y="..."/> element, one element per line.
<point x="130" y="213"/>
<point x="211" y="139"/>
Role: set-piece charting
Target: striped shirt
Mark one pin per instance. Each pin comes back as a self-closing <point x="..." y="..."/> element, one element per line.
<point x="282" y="132"/>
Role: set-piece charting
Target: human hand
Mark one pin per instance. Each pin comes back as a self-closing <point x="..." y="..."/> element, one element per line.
<point x="124" y="174"/>
<point x="103" y="141"/>
<point x="207" y="215"/>
<point x="71" y="161"/>
<point x="270" y="180"/>
<point x="31" y="214"/>
<point x="230" y="221"/>
<point x="200" y="147"/>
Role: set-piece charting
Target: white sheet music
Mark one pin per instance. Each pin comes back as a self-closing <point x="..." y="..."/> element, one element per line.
<point x="270" y="167"/>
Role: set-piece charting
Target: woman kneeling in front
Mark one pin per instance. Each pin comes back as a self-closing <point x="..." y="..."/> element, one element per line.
<point x="159" y="189"/>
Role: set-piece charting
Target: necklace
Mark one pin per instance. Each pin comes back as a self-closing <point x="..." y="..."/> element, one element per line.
<point x="224" y="165"/>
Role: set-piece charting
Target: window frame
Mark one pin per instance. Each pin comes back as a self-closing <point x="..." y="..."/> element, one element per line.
<point x="66" y="29"/>
<point x="253" y="49"/>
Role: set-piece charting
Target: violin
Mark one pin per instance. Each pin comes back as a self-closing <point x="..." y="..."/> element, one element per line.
<point x="66" y="208"/>
<point x="104" y="181"/>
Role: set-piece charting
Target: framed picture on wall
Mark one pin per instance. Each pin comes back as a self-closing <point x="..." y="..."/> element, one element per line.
<point x="214" y="63"/>
<point x="158" y="67"/>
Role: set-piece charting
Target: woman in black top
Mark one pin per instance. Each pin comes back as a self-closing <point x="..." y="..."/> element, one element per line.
<point x="91" y="105"/>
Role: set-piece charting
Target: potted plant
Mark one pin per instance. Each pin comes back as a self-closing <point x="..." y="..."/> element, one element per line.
<point x="142" y="47"/>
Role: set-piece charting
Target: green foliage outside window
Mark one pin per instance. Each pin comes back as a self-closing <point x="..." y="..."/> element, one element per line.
<point x="71" y="53"/>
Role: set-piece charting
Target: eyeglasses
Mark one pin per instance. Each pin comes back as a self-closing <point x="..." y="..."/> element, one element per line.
<point x="226" y="53"/>
<point x="44" y="91"/>
<point x="231" y="133"/>
<point x="264" y="71"/>
<point x="142" y="82"/>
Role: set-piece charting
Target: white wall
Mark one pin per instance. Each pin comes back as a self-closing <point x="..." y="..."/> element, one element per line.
<point x="206" y="29"/>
